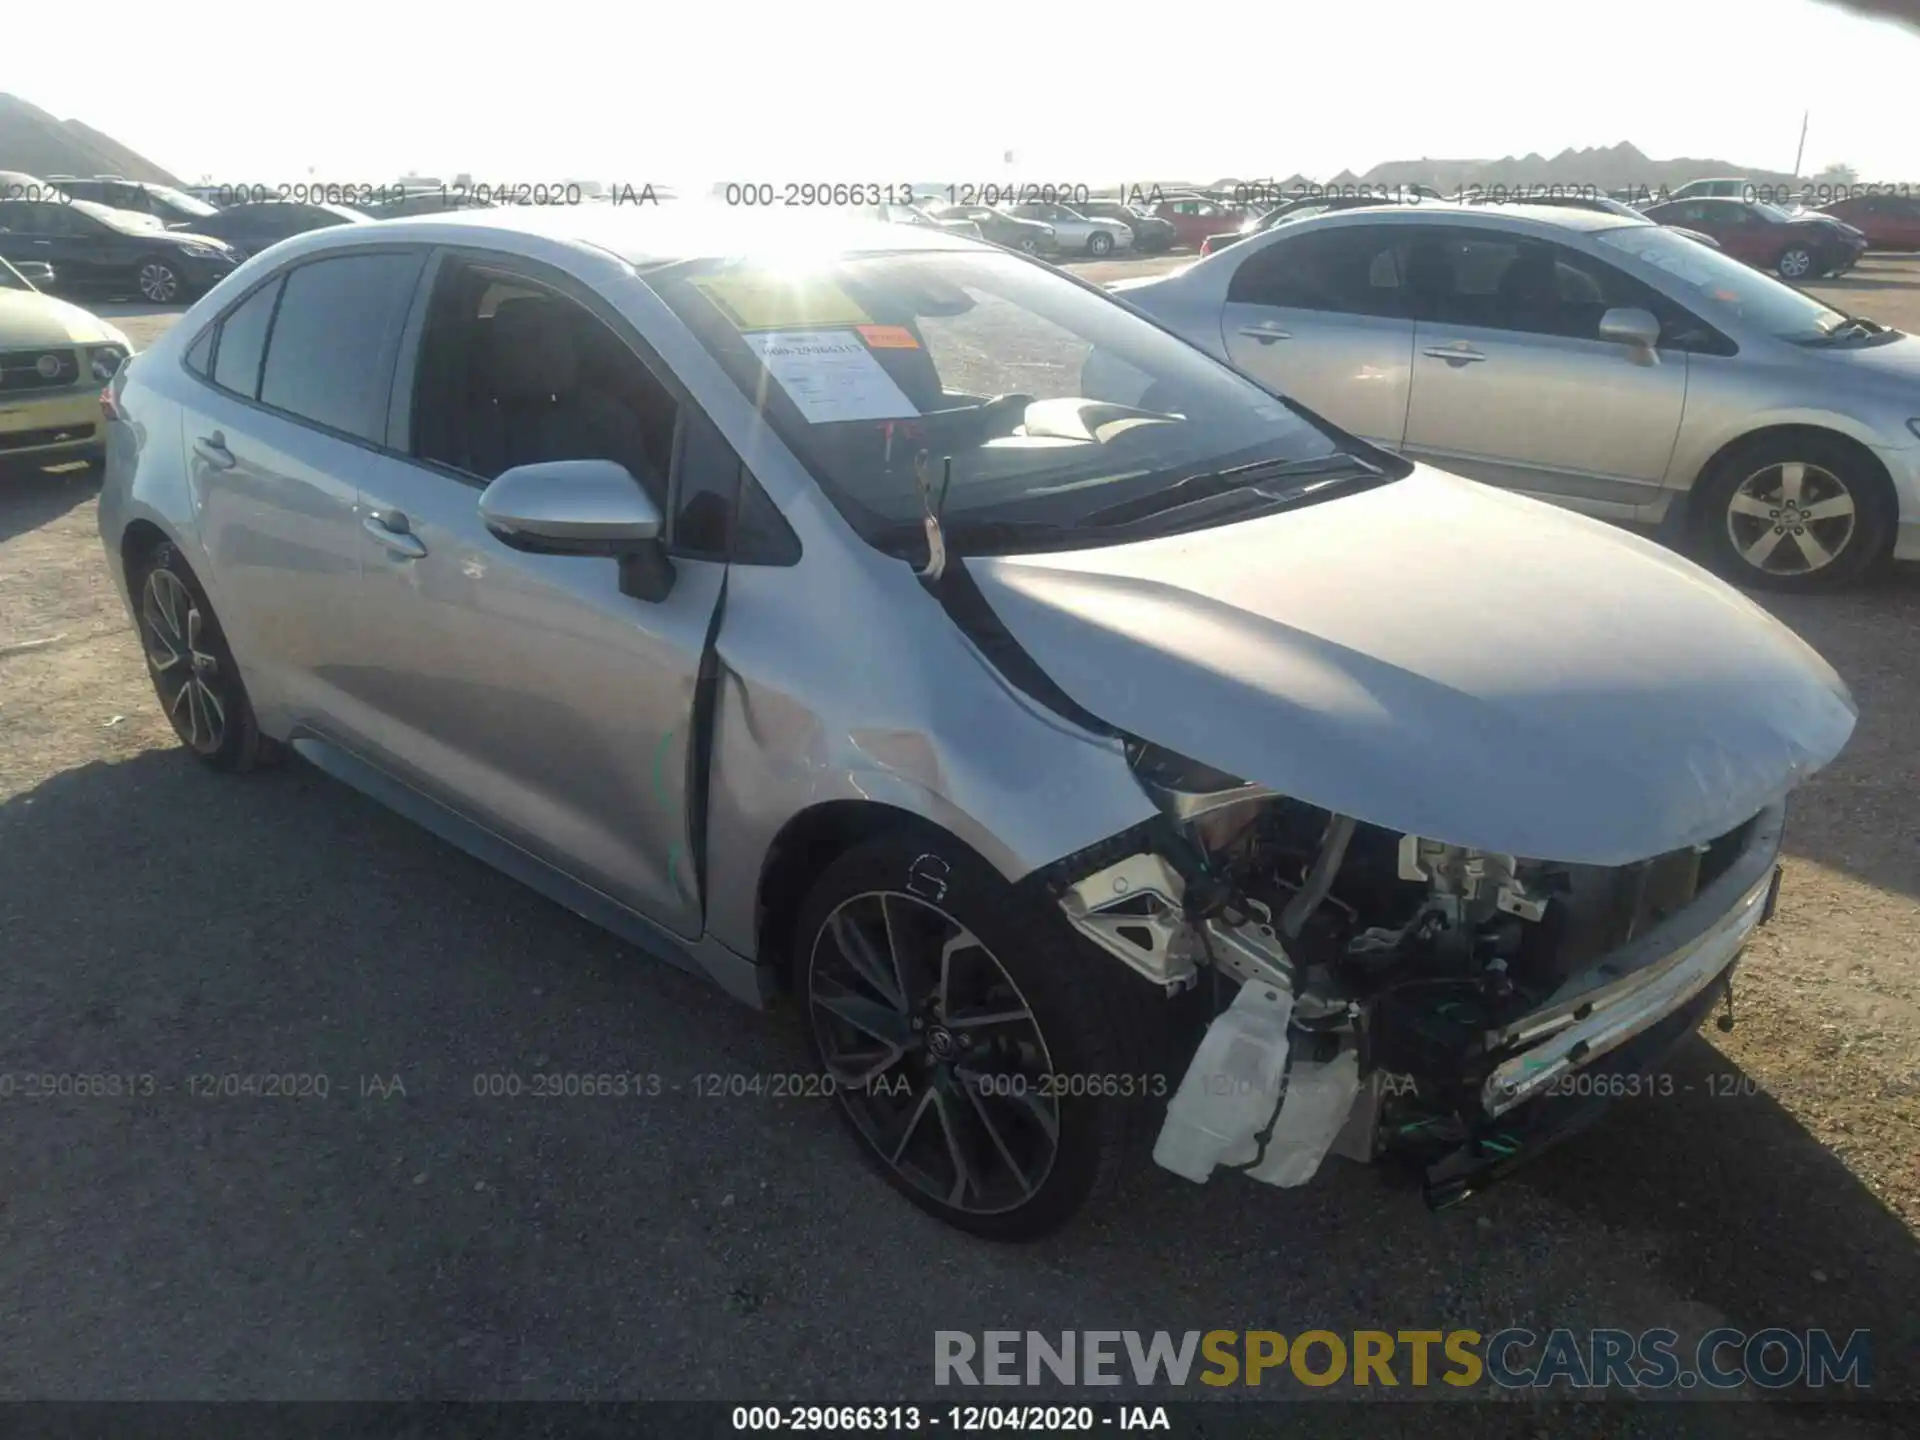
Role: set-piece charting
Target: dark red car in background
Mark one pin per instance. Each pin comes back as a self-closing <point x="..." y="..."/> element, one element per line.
<point x="1794" y="247"/>
<point x="1890" y="222"/>
<point x="1194" y="218"/>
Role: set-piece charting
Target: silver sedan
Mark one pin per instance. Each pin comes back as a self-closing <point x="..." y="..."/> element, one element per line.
<point x="1074" y="233"/>
<point x="1594" y="360"/>
<point x="1096" y="777"/>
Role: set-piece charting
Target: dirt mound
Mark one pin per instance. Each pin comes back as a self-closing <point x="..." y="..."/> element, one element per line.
<point x="34" y="142"/>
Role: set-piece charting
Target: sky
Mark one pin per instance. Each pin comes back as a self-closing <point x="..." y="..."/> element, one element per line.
<point x="359" y="91"/>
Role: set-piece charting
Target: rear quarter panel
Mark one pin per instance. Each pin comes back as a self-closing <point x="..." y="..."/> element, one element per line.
<point x="145" y="478"/>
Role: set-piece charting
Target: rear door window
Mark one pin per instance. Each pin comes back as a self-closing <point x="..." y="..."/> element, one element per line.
<point x="330" y="359"/>
<point x="1352" y="270"/>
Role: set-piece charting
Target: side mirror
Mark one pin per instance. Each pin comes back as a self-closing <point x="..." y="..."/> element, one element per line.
<point x="582" y="507"/>
<point x="1625" y="325"/>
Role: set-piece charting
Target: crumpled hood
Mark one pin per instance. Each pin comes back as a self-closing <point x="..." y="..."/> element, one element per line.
<point x="1442" y="658"/>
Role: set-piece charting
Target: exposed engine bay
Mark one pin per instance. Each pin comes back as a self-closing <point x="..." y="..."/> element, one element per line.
<point x="1371" y="990"/>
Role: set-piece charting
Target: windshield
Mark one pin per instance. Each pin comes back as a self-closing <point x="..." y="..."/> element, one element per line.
<point x="127" y="222"/>
<point x="1034" y="401"/>
<point x="1773" y="212"/>
<point x="1723" y="288"/>
<point x="181" y="201"/>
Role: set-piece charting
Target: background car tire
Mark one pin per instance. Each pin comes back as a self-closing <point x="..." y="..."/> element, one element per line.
<point x="170" y="608"/>
<point x="1028" y="246"/>
<point x="159" y="280"/>
<point x="1761" y="471"/>
<point x="1099" y="243"/>
<point x="1093" y="1017"/>
<point x="1796" y="262"/>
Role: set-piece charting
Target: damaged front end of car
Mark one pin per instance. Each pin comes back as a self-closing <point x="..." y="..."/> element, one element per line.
<point x="1383" y="995"/>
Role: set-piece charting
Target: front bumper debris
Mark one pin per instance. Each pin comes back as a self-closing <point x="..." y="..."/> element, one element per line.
<point x="1618" y="1014"/>
<point x="1266" y="1096"/>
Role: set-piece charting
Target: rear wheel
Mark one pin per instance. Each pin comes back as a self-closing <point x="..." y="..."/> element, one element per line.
<point x="1799" y="513"/>
<point x="996" y="1069"/>
<point x="192" y="669"/>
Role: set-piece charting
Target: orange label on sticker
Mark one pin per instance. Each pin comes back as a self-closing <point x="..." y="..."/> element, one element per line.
<point x="888" y="337"/>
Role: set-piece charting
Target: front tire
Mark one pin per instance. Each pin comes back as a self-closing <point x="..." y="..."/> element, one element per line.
<point x="996" y="1069"/>
<point x="1099" y="243"/>
<point x="192" y="668"/>
<point x="1793" y="514"/>
<point x="1797" y="262"/>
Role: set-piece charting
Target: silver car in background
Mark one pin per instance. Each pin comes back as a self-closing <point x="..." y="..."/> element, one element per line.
<point x="1074" y="233"/>
<point x="1598" y="361"/>
<point x="786" y="601"/>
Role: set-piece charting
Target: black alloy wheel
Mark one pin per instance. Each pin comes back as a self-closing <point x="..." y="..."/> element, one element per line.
<point x="998" y="1070"/>
<point x="192" y="670"/>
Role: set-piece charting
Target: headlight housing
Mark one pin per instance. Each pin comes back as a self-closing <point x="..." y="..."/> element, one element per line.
<point x="105" y="361"/>
<point x="202" y="252"/>
<point x="1049" y="231"/>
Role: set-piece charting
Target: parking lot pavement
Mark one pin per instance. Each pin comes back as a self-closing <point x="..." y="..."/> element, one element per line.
<point x="410" y="1235"/>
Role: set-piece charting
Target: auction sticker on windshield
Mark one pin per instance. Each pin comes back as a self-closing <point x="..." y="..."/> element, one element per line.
<point x="889" y="337"/>
<point x="830" y="375"/>
<point x="754" y="301"/>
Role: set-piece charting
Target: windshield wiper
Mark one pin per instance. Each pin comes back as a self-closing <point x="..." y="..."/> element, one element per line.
<point x="1854" y="327"/>
<point x="1205" y="486"/>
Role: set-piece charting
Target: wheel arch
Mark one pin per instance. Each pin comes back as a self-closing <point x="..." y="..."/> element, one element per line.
<point x="801" y="851"/>
<point x="139" y="539"/>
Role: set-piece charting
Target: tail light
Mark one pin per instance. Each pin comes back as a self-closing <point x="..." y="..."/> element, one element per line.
<point x="1206" y="246"/>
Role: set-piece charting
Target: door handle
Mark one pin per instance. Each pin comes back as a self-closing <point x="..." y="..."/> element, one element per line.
<point x="1457" y="355"/>
<point x="1265" y="334"/>
<point x="391" y="531"/>
<point x="213" y="449"/>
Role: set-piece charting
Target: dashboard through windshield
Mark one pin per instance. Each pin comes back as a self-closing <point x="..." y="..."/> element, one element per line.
<point x="1025" y="401"/>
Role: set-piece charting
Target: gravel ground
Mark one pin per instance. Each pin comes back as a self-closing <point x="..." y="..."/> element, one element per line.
<point x="405" y="1238"/>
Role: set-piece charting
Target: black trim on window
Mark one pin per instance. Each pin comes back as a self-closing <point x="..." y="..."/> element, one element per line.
<point x="406" y="360"/>
<point x="743" y="525"/>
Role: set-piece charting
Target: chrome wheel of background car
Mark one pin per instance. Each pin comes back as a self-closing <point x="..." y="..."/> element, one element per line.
<point x="934" y="1052"/>
<point x="1099" y="243"/>
<point x="1795" y="263"/>
<point x="158" y="282"/>
<point x="1791" y="518"/>
<point x="183" y="672"/>
<point x="1030" y="245"/>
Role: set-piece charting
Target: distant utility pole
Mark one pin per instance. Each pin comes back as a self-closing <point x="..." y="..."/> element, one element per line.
<point x="1805" y="115"/>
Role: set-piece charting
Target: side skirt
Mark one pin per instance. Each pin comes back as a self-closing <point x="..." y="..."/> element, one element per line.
<point x="733" y="973"/>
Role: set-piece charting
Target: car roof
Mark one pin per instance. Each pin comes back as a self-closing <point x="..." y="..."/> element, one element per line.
<point x="276" y="203"/>
<point x="659" y="234"/>
<point x="1553" y="216"/>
